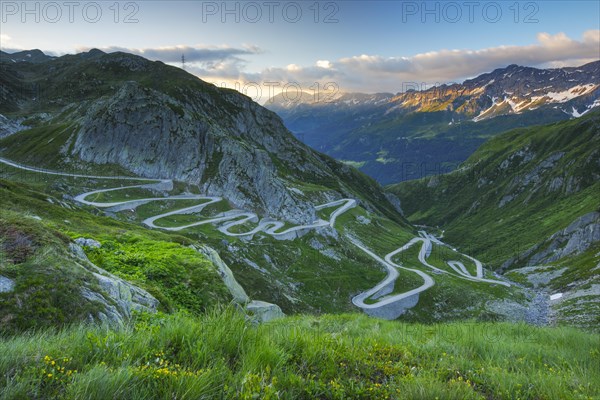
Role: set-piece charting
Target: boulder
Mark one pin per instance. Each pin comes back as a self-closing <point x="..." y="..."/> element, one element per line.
<point x="6" y="285"/>
<point x="88" y="242"/>
<point x="261" y="311"/>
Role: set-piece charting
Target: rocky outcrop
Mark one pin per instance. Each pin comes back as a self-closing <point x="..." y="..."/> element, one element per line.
<point x="83" y="242"/>
<point x="540" y="275"/>
<point x="9" y="126"/>
<point x="395" y="201"/>
<point x="261" y="311"/>
<point x="118" y="298"/>
<point x="539" y="176"/>
<point x="258" y="311"/>
<point x="573" y="240"/>
<point x="236" y="290"/>
<point x="6" y="285"/>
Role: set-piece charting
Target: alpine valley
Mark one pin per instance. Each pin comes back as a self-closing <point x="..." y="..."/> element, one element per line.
<point x="432" y="128"/>
<point x="161" y="237"/>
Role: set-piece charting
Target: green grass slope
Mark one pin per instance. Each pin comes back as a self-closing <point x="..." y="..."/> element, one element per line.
<point x="47" y="281"/>
<point x="507" y="201"/>
<point x="220" y="356"/>
<point x="501" y="202"/>
<point x="36" y="229"/>
<point x="317" y="273"/>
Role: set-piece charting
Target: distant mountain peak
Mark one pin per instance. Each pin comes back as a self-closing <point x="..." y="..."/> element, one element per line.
<point x="33" y="56"/>
<point x="421" y="132"/>
<point x="92" y="53"/>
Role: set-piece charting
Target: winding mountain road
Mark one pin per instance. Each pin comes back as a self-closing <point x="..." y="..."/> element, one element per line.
<point x="237" y="217"/>
<point x="384" y="303"/>
<point x="379" y="300"/>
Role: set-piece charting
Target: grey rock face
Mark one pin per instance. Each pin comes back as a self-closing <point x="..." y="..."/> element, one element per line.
<point x="363" y="220"/>
<point x="227" y="154"/>
<point x="6" y="285"/>
<point x="9" y="126"/>
<point x="434" y="181"/>
<point x="88" y="242"/>
<point x="540" y="276"/>
<point x="395" y="201"/>
<point x="127" y="296"/>
<point x="78" y="252"/>
<point x="535" y="178"/>
<point x="555" y="184"/>
<point x="505" y="199"/>
<point x="331" y="254"/>
<point x="236" y="290"/>
<point x="316" y="244"/>
<point x="573" y="240"/>
<point x="117" y="297"/>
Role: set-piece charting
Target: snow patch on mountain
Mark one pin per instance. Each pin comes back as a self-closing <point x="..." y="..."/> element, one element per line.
<point x="566" y="95"/>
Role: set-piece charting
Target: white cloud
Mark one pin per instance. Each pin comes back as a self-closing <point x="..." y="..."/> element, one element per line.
<point x="592" y="36"/>
<point x="324" y="64"/>
<point x="8" y="45"/>
<point x="373" y="73"/>
<point x="217" y="59"/>
<point x="448" y="65"/>
<point x="224" y="65"/>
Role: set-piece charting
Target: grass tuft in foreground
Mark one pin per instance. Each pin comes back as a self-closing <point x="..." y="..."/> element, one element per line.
<point x="220" y="355"/>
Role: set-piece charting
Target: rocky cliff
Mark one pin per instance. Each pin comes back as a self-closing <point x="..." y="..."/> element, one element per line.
<point x="574" y="240"/>
<point x="159" y="121"/>
<point x="117" y="298"/>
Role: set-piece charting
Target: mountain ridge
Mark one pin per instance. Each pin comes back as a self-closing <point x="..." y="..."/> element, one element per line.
<point x="439" y="127"/>
<point x="93" y="103"/>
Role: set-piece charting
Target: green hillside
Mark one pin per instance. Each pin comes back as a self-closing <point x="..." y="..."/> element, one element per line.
<point x="519" y="167"/>
<point x="315" y="273"/>
<point x="36" y="231"/>
<point x="519" y="200"/>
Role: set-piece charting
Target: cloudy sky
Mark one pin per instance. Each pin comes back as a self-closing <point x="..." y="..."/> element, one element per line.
<point x="262" y="46"/>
